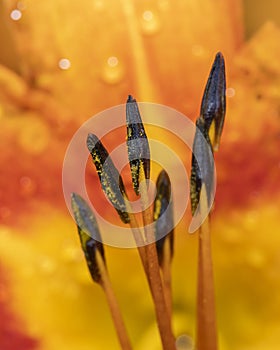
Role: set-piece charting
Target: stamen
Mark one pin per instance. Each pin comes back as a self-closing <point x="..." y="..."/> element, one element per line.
<point x="89" y="234"/>
<point x="202" y="171"/>
<point x="110" y="179"/>
<point x="163" y="214"/>
<point x="163" y="208"/>
<point x="137" y="143"/>
<point x="94" y="253"/>
<point x="213" y="106"/>
<point x="202" y="179"/>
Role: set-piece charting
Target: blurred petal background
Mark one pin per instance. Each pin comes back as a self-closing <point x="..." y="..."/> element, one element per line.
<point x="62" y="62"/>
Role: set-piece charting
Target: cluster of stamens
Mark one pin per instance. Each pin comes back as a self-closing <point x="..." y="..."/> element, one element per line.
<point x="156" y="249"/>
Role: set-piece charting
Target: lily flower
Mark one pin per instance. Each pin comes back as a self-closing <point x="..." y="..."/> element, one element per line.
<point x="62" y="62"/>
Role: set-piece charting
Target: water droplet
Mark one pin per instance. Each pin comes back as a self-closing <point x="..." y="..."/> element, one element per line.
<point x="64" y="64"/>
<point x="184" y="342"/>
<point x="27" y="186"/>
<point x="16" y="15"/>
<point x="148" y="16"/>
<point x="34" y="135"/>
<point x="113" y="71"/>
<point x="149" y="23"/>
<point x="230" y="92"/>
<point x="198" y="50"/>
<point x="113" y="61"/>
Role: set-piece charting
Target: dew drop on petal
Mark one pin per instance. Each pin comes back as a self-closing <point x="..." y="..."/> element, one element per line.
<point x="113" y="71"/>
<point x="230" y="92"/>
<point x="112" y="61"/>
<point x="149" y="23"/>
<point x="148" y="16"/>
<point x="184" y="342"/>
<point x="16" y="15"/>
<point x="64" y="64"/>
<point x="27" y="186"/>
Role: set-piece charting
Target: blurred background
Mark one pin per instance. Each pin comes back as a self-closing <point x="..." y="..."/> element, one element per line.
<point x="62" y="62"/>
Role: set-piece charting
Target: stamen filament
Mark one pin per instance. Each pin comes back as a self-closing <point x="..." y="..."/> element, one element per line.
<point x="106" y="285"/>
<point x="161" y="310"/>
<point x="167" y="275"/>
<point x="206" y="313"/>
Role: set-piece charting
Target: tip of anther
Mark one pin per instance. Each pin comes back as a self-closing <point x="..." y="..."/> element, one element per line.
<point x="91" y="141"/>
<point x="130" y="99"/>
